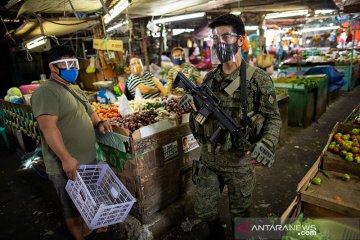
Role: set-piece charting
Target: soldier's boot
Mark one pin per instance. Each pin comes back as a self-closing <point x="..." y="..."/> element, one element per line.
<point x="216" y="231"/>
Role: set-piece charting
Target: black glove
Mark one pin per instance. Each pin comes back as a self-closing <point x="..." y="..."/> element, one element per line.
<point x="187" y="102"/>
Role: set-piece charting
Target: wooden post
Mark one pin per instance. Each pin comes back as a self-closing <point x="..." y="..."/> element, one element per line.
<point x="143" y="43"/>
<point x="161" y="44"/>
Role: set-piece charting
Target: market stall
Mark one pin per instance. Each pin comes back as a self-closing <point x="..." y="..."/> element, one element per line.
<point x="307" y="98"/>
<point x="151" y="148"/>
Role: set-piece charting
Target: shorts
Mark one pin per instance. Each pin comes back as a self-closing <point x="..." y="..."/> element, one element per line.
<point x="69" y="209"/>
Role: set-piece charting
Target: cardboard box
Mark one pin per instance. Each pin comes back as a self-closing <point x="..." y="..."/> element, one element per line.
<point x="154" y="164"/>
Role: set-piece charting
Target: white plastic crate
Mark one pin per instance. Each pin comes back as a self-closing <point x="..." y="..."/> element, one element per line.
<point x="99" y="196"/>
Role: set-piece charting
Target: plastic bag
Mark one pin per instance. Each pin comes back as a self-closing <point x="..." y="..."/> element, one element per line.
<point x="91" y="68"/>
<point x="138" y="94"/>
<point x="105" y="96"/>
<point x="124" y="108"/>
<point x="264" y="60"/>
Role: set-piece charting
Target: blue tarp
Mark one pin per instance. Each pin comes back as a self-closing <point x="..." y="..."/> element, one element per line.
<point x="335" y="78"/>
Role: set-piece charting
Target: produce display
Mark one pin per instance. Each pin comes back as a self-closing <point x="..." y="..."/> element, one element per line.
<point x="346" y="145"/>
<point x="308" y="82"/>
<point x="137" y="120"/>
<point x="106" y="111"/>
<point x="314" y="55"/>
<point x="144" y="112"/>
<point x="171" y="104"/>
<point x="345" y="57"/>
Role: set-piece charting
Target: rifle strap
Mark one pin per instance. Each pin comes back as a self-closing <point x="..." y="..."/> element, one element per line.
<point x="243" y="94"/>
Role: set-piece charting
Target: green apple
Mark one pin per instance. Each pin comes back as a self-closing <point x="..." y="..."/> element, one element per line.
<point x="343" y="153"/>
<point x="355" y="131"/>
<point x="346" y="137"/>
<point x="354" y="149"/>
<point x="349" y="158"/>
<point x="316" y="181"/>
<point x="345" y="177"/>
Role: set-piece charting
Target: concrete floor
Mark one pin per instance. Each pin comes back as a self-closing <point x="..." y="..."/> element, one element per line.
<point x="29" y="207"/>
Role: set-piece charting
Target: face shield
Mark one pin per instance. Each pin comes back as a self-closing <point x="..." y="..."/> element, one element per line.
<point x="224" y="47"/>
<point x="67" y="63"/>
<point x="136" y="67"/>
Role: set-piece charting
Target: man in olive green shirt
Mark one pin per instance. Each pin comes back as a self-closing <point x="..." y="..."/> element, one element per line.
<point x="66" y="121"/>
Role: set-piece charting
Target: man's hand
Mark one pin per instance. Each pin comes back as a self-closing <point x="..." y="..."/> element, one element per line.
<point x="105" y="127"/>
<point x="187" y="102"/>
<point x="256" y="163"/>
<point x="70" y="166"/>
<point x="253" y="161"/>
<point x="262" y="154"/>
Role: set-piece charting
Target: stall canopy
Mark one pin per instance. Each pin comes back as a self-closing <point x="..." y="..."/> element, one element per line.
<point x="55" y="6"/>
<point x="54" y="27"/>
<point x="352" y="6"/>
<point x="91" y="9"/>
<point x="143" y="8"/>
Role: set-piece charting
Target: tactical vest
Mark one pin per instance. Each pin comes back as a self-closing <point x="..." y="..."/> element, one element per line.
<point x="227" y="89"/>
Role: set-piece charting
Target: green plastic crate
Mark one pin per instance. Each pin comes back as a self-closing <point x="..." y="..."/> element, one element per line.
<point x="301" y="104"/>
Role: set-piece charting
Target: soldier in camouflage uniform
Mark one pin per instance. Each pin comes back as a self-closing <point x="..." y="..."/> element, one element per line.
<point x="229" y="162"/>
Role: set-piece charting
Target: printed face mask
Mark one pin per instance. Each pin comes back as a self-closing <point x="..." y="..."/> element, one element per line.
<point x="226" y="52"/>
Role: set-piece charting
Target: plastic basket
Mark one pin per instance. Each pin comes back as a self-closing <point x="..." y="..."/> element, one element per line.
<point x="20" y="117"/>
<point x="28" y="89"/>
<point x="99" y="196"/>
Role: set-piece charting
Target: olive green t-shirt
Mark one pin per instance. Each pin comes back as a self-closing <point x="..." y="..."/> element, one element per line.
<point x="73" y="122"/>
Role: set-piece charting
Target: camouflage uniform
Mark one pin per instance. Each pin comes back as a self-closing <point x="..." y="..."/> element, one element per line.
<point x="186" y="68"/>
<point x="226" y="163"/>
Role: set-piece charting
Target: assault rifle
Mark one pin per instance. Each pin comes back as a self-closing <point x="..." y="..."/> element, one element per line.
<point x="207" y="103"/>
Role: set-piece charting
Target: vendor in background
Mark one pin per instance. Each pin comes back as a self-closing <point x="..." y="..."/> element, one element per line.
<point x="150" y="86"/>
<point x="66" y="121"/>
<point x="189" y="70"/>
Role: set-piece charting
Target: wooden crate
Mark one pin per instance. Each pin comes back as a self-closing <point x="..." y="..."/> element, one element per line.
<point x="351" y="119"/>
<point x="333" y="198"/>
<point x="333" y="162"/>
<point x="157" y="171"/>
<point x="320" y="201"/>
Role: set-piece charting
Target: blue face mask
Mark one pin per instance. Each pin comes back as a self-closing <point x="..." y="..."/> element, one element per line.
<point x="178" y="61"/>
<point x="69" y="75"/>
